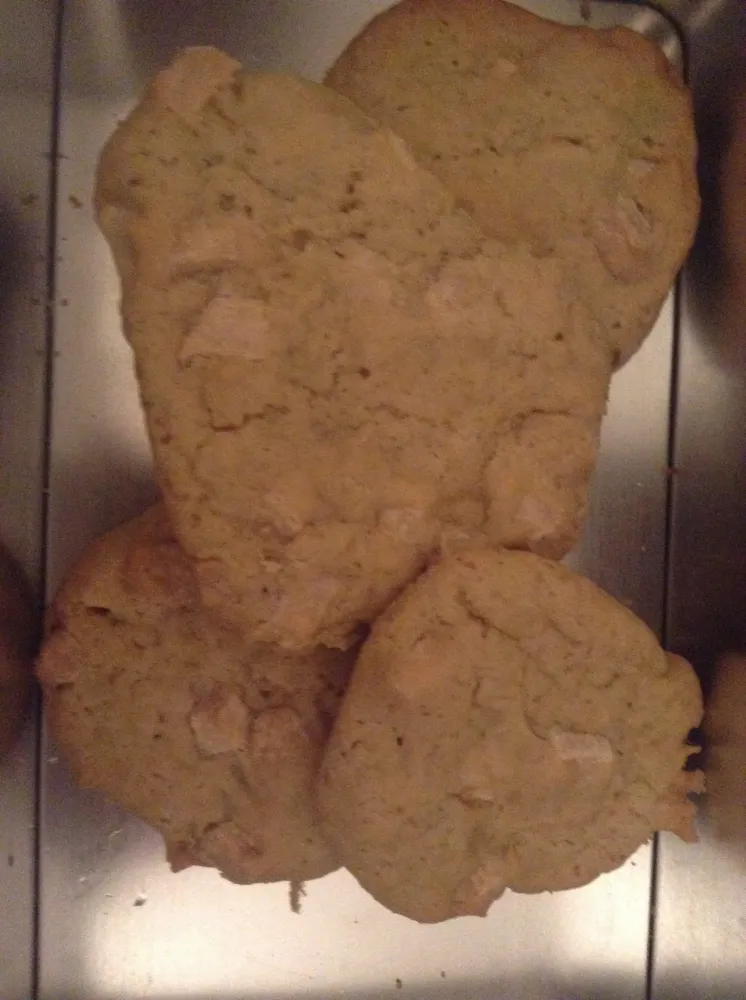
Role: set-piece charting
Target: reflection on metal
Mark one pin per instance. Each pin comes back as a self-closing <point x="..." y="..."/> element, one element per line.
<point x="192" y="934"/>
<point x="114" y="922"/>
<point x="700" y="933"/>
<point x="26" y="74"/>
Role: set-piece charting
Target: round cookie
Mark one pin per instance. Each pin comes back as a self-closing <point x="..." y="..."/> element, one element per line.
<point x="212" y="742"/>
<point x="16" y="646"/>
<point x="508" y="725"/>
<point x="579" y="142"/>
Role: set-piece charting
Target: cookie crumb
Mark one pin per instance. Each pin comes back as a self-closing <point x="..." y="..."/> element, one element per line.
<point x="297" y="892"/>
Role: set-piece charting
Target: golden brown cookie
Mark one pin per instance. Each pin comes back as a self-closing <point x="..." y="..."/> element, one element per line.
<point x="16" y="650"/>
<point x="212" y="742"/>
<point x="337" y="366"/>
<point x="508" y="726"/>
<point x="579" y="141"/>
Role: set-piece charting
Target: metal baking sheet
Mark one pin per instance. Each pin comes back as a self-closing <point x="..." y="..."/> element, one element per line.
<point x="26" y="77"/>
<point x="113" y="922"/>
<point x="700" y="927"/>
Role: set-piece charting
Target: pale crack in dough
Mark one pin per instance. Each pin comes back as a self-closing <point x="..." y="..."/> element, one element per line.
<point x="266" y="413"/>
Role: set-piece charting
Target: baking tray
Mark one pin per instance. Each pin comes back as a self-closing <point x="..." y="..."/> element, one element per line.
<point x="26" y="110"/>
<point x="99" y="915"/>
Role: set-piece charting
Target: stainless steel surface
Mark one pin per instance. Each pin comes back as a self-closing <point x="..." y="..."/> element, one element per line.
<point x="114" y="923"/>
<point x="26" y="60"/>
<point x="700" y="941"/>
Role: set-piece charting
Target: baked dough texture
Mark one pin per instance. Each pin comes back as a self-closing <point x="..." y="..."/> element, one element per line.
<point x="580" y="141"/>
<point x="212" y="742"/>
<point x="338" y="368"/>
<point x="508" y="726"/>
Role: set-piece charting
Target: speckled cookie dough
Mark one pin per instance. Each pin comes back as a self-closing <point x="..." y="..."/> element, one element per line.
<point x="508" y="726"/>
<point x="579" y="141"/>
<point x="213" y="743"/>
<point x="338" y="368"/>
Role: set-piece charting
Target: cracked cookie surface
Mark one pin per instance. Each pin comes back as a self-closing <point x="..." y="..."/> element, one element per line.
<point x="212" y="742"/>
<point x="579" y="141"/>
<point x="337" y="366"/>
<point x="508" y="725"/>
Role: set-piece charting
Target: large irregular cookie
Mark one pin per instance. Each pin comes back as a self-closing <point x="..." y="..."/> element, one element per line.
<point x="212" y="742"/>
<point x="508" y="725"/>
<point x="16" y="646"/>
<point x="580" y="141"/>
<point x="337" y="366"/>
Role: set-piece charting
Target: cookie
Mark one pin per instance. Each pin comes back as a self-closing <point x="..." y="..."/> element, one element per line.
<point x="579" y="141"/>
<point x="508" y="726"/>
<point x="16" y="650"/>
<point x="337" y="366"/>
<point x="212" y="742"/>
